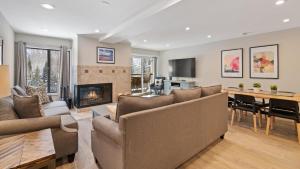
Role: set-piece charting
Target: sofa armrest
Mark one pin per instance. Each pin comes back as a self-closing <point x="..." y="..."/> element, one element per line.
<point x="68" y="124"/>
<point x="108" y="128"/>
<point x="17" y="126"/>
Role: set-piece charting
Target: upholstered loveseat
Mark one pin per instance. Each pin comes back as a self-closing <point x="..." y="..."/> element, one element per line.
<point x="63" y="126"/>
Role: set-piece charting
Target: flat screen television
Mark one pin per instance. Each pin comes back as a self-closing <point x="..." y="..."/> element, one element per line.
<point x="182" y="67"/>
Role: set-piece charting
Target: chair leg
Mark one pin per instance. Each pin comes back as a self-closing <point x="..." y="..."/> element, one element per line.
<point x="71" y="158"/>
<point x="239" y="115"/>
<point x="268" y="125"/>
<point x="272" y="122"/>
<point x="254" y="123"/>
<point x="259" y="119"/>
<point x="298" y="132"/>
<point x="232" y="116"/>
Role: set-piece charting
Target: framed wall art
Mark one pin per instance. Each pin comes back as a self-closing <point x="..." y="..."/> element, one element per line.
<point x="264" y="62"/>
<point x="232" y="63"/>
<point x="105" y="55"/>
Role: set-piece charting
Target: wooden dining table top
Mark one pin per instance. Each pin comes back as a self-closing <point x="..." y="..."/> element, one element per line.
<point x="264" y="94"/>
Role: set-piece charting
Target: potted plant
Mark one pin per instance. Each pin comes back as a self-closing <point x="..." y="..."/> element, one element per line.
<point x="241" y="86"/>
<point x="256" y="87"/>
<point x="273" y="89"/>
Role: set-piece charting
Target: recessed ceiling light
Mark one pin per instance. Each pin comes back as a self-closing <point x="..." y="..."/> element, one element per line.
<point x="246" y="33"/>
<point x="48" y="6"/>
<point x="187" y="28"/>
<point x="97" y="30"/>
<point x="280" y="2"/>
<point x="105" y="2"/>
<point x="145" y="41"/>
<point x="209" y="36"/>
<point x="286" y="20"/>
<point x="44" y="29"/>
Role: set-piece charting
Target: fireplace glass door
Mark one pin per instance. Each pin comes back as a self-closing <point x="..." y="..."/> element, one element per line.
<point x="92" y="94"/>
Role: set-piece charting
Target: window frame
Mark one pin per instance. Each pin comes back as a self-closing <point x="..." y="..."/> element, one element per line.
<point x="49" y="65"/>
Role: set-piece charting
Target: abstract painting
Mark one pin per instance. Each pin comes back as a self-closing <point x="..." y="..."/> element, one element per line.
<point x="232" y="63"/>
<point x="105" y="55"/>
<point x="264" y="62"/>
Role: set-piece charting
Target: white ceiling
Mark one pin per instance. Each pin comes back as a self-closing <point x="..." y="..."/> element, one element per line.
<point x="160" y="22"/>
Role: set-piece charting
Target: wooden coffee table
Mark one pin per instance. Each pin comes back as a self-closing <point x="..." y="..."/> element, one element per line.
<point x="28" y="151"/>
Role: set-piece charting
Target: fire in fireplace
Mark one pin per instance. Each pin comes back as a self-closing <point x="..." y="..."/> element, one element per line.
<point x="92" y="94"/>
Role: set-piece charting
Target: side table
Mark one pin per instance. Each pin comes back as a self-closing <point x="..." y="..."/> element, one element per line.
<point x="29" y="150"/>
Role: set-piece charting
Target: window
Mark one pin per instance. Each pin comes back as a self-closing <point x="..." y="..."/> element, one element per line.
<point x="143" y="72"/>
<point x="43" y="67"/>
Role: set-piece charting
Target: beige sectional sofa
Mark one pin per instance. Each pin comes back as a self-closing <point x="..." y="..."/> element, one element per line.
<point x="162" y="137"/>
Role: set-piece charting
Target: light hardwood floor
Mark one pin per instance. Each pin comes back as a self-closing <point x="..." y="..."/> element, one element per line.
<point x="241" y="149"/>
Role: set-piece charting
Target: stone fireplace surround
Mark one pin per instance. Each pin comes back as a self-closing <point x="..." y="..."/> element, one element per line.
<point x="119" y="76"/>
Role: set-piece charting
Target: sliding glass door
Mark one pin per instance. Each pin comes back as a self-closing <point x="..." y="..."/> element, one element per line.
<point x="143" y="72"/>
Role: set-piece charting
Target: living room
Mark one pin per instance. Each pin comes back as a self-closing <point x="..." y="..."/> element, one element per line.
<point x="149" y="84"/>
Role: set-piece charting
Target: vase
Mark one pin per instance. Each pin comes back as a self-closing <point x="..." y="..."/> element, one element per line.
<point x="256" y="90"/>
<point x="274" y="92"/>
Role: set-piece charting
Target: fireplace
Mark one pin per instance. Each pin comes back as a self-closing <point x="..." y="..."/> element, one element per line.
<point x="92" y="94"/>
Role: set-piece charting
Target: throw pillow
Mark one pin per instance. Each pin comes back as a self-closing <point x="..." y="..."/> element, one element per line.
<point x="130" y="104"/>
<point x="182" y="95"/>
<point x="27" y="106"/>
<point x="40" y="91"/>
<point x="19" y="91"/>
<point x="207" y="91"/>
<point x="7" y="111"/>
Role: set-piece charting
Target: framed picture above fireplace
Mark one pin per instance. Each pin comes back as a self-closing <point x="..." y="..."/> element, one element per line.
<point x="105" y="55"/>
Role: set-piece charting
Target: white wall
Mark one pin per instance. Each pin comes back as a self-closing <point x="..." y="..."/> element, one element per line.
<point x="87" y="52"/>
<point x="8" y="35"/>
<point x="43" y="41"/>
<point x="74" y="63"/>
<point x="208" y="58"/>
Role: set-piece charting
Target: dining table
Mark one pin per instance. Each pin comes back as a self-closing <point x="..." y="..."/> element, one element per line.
<point x="264" y="94"/>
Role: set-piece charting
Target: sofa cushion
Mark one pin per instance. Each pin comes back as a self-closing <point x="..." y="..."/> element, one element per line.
<point x="55" y="111"/>
<point x="19" y="91"/>
<point x="182" y="95"/>
<point x="7" y="111"/>
<point x="207" y="91"/>
<point x="27" y="106"/>
<point x="130" y="104"/>
<point x="54" y="104"/>
<point x="40" y="91"/>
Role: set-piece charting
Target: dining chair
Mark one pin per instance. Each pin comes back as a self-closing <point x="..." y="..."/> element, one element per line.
<point x="286" y="109"/>
<point x="246" y="103"/>
<point x="230" y="102"/>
